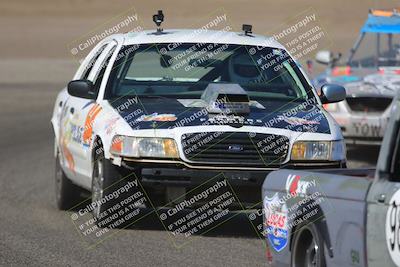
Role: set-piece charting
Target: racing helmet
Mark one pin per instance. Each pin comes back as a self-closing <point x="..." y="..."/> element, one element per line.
<point x="242" y="69"/>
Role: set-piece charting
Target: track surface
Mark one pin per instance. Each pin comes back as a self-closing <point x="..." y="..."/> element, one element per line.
<point x="34" y="232"/>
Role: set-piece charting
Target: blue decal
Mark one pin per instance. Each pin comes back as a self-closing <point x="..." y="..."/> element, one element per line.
<point x="88" y="104"/>
<point x="346" y="79"/>
<point x="277" y="237"/>
<point x="276" y="218"/>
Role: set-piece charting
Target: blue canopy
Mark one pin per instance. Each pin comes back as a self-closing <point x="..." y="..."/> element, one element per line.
<point x="381" y="24"/>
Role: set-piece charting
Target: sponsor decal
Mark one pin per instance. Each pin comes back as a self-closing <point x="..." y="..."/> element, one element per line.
<point x="228" y="106"/>
<point x="392" y="228"/>
<point x="276" y="221"/>
<point x="68" y="155"/>
<point x="299" y="121"/>
<point x="222" y="119"/>
<point x="74" y="129"/>
<point x="65" y="139"/>
<point x="76" y="133"/>
<point x="199" y="103"/>
<point x="231" y="119"/>
<point x="294" y="185"/>
<point x="157" y="117"/>
<point x="110" y="125"/>
<point x="88" y="130"/>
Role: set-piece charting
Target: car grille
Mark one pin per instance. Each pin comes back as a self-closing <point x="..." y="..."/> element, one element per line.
<point x="368" y="104"/>
<point x="241" y="149"/>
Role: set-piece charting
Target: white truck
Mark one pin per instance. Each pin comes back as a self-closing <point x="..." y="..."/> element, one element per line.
<point x="337" y="217"/>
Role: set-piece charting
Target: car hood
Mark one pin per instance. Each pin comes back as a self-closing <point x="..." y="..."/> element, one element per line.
<point x="167" y="113"/>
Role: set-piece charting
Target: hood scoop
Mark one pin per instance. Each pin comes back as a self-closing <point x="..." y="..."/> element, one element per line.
<point x="226" y="99"/>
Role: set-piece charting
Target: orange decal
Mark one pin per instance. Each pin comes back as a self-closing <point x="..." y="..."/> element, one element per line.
<point x="340" y="71"/>
<point x="116" y="145"/>
<point x="384" y="13"/>
<point x="68" y="156"/>
<point x="88" y="131"/>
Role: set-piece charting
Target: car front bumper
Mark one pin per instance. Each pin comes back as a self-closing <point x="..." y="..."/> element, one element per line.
<point x="245" y="182"/>
<point x="362" y="129"/>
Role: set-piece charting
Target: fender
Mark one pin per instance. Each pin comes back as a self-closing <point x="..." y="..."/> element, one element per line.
<point x="60" y="102"/>
<point x="345" y="194"/>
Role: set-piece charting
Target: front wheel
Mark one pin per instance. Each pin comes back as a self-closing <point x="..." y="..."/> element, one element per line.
<point x="67" y="193"/>
<point x="307" y="247"/>
<point x="110" y="189"/>
<point x="104" y="180"/>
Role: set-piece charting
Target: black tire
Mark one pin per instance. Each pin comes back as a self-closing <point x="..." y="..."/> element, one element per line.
<point x="67" y="193"/>
<point x="106" y="179"/>
<point x="307" y="247"/>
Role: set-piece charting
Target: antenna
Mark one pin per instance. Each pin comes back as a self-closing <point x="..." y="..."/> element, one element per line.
<point x="158" y="19"/>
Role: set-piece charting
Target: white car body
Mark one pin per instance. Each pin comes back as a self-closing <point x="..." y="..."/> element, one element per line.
<point x="75" y="132"/>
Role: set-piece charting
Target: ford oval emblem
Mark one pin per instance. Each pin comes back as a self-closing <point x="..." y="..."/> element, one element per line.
<point x="235" y="148"/>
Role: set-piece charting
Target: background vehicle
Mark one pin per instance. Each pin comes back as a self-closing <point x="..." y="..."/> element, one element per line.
<point x="175" y="113"/>
<point x="337" y="217"/>
<point x="370" y="75"/>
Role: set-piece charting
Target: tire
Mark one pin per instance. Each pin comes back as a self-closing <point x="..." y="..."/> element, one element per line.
<point x="67" y="193"/>
<point x="307" y="247"/>
<point x="106" y="179"/>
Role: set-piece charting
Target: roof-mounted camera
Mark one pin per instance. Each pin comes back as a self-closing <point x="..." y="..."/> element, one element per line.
<point x="158" y="19"/>
<point x="247" y="28"/>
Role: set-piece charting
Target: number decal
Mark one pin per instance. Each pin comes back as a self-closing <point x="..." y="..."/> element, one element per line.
<point x="393" y="228"/>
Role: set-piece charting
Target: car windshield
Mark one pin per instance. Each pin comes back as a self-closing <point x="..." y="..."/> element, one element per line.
<point x="185" y="70"/>
<point x="377" y="50"/>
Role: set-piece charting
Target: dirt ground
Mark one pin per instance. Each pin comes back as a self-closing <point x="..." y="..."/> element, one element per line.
<point x="35" y="34"/>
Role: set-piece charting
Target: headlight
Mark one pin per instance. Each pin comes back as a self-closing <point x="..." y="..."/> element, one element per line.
<point x="319" y="150"/>
<point x="146" y="147"/>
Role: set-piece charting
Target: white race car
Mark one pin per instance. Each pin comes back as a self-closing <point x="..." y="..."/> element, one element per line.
<point x="171" y="109"/>
<point x="370" y="75"/>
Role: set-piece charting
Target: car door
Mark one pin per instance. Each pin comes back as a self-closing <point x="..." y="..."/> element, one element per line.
<point x="81" y="113"/>
<point x="383" y="210"/>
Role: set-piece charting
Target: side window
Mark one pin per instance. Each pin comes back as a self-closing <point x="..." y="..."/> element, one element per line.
<point x="99" y="76"/>
<point x="89" y="66"/>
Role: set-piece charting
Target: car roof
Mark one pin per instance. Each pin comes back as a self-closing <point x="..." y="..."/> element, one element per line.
<point x="199" y="36"/>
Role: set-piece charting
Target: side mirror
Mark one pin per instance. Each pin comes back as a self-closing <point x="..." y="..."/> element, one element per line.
<point x="332" y="93"/>
<point x="81" y="88"/>
<point x="324" y="57"/>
